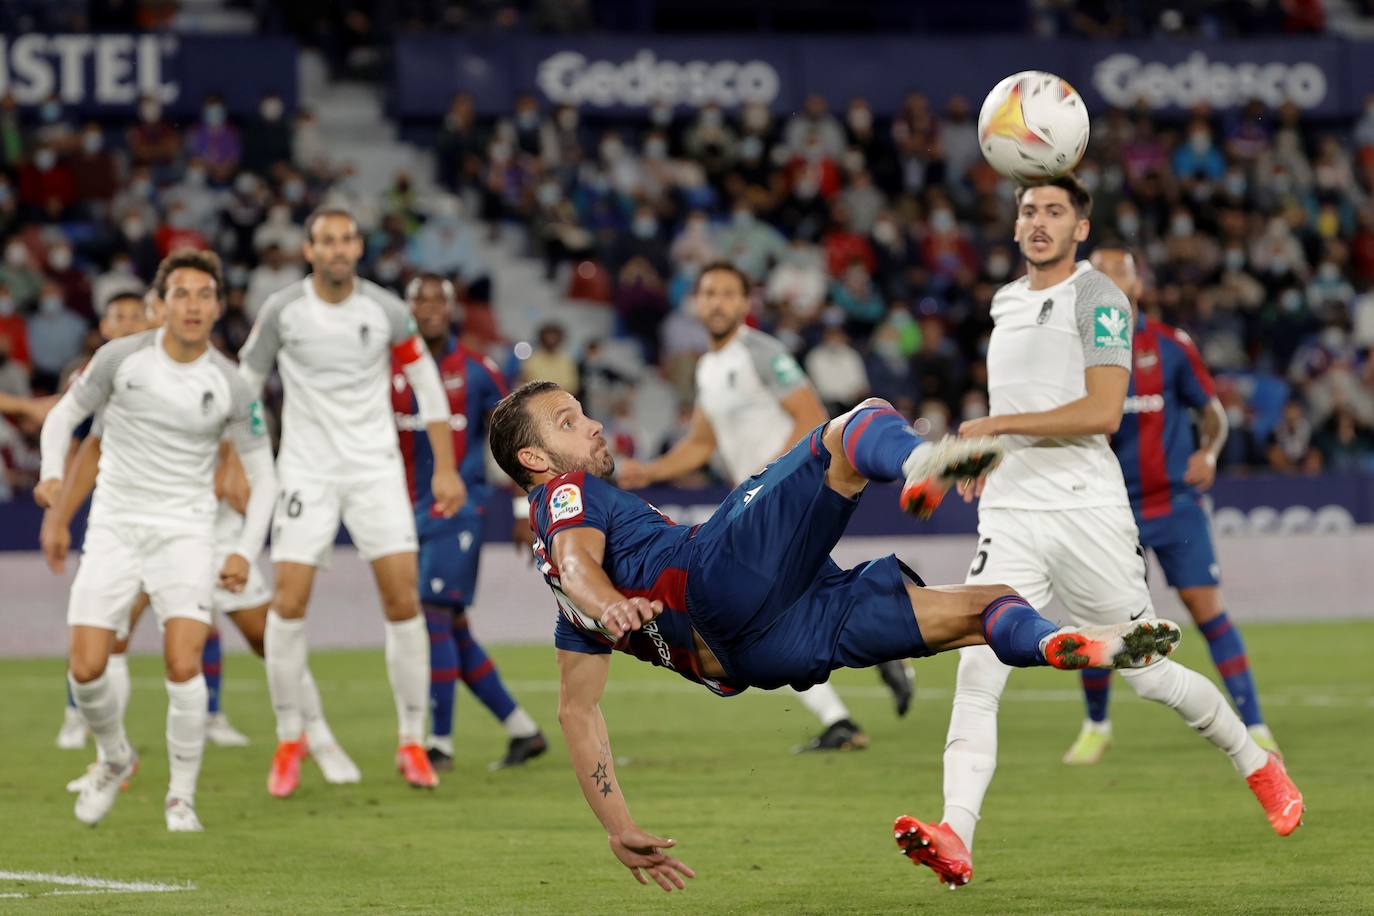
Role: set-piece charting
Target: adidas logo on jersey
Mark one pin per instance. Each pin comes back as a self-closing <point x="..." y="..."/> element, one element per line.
<point x="1149" y="403"/>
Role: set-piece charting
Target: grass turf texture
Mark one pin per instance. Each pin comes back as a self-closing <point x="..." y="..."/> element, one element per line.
<point x="1162" y="825"/>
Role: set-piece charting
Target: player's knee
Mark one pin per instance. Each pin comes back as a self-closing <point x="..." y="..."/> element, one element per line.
<point x="399" y="604"/>
<point x="86" y="669"/>
<point x="289" y="603"/>
<point x="181" y="668"/>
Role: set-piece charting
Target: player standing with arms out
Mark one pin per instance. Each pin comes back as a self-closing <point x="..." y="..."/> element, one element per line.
<point x="753" y="403"/>
<point x="451" y="547"/>
<point x="1165" y="478"/>
<point x="334" y="338"/>
<point x="166" y="399"/>
<point x="1055" y="519"/>
<point x="751" y="598"/>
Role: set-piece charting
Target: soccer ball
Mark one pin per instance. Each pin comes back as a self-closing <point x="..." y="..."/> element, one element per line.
<point x="1033" y="126"/>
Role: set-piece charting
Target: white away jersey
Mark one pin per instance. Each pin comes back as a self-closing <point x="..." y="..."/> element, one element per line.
<point x="1041" y="343"/>
<point x="740" y="387"/>
<point x="335" y="365"/>
<point x="160" y="425"/>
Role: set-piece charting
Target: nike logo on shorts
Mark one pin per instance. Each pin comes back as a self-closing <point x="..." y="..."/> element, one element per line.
<point x="1138" y="614"/>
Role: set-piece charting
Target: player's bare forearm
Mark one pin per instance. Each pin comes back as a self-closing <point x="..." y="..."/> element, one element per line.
<point x="1097" y="412"/>
<point x="78" y="482"/>
<point x="581" y="680"/>
<point x="441" y="442"/>
<point x="449" y="491"/>
<point x="1215" y="427"/>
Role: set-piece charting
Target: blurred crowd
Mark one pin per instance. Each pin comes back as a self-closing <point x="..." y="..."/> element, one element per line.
<point x="875" y="246"/>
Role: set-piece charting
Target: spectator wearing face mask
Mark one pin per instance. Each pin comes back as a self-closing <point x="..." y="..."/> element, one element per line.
<point x="1291" y="450"/>
<point x="749" y="243"/>
<point x="94" y="171"/>
<point x="178" y="230"/>
<point x="53" y="128"/>
<point x="14" y="335"/>
<point x="74" y="286"/>
<point x="279" y="229"/>
<point x="837" y="370"/>
<point x="14" y="375"/>
<point x="215" y="141"/>
<point x="194" y="196"/>
<point x="153" y="142"/>
<point x="46" y="186"/>
<point x="814" y="126"/>
<point x="644" y="240"/>
<point x="55" y="338"/>
<point x="273" y="272"/>
<point x="1198" y="156"/>
<point x="710" y="141"/>
<point x="17" y="274"/>
<point x="267" y="140"/>
<point x="460" y="141"/>
<point x="863" y="201"/>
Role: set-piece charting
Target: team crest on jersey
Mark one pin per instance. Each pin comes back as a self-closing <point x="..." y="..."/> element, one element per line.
<point x="566" y="502"/>
<point x="364" y="333"/>
<point x="1045" y="310"/>
<point x="207" y="400"/>
<point x="1111" y="323"/>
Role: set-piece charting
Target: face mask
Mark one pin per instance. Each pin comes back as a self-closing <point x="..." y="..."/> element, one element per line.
<point x="1090" y="179"/>
<point x="1333" y="339"/>
<point x="711" y="117"/>
<point x="548" y="194"/>
<point x="50" y="305"/>
<point x="861" y="119"/>
<point x="853" y="161"/>
<point x="1236" y="185"/>
<point x="655" y="148"/>
<point x="50" y="112"/>
<point x="133" y="229"/>
<point x="743" y="219"/>
<point x="942" y="221"/>
<point x="611" y="150"/>
<point x="279" y="215"/>
<point x="1329" y="272"/>
<point x="1291" y="301"/>
<point x="1128" y="223"/>
<point x="294" y="191"/>
<point x="122" y="267"/>
<point x="1199" y="143"/>
<point x="661" y="115"/>
<point x="214" y="115"/>
<point x="527" y="120"/>
<point x="16" y="255"/>
<point x="150" y="112"/>
<point x="975" y="409"/>
<point x="141" y="187"/>
<point x="998" y="267"/>
<point x="60" y="258"/>
<point x="178" y="219"/>
<point x="756" y="118"/>
<point x="271" y="109"/>
<point x="1235" y="259"/>
<point x="92" y="142"/>
<point x="1182" y="226"/>
<point x="886" y="233"/>
<point x="6" y="306"/>
<point x="645" y="227"/>
<point x="237" y="275"/>
<point x="195" y="178"/>
<point x="246" y="183"/>
<point x="388" y="270"/>
<point x="751" y="148"/>
<point x="499" y="152"/>
<point x="807" y="188"/>
<point x="44" y="159"/>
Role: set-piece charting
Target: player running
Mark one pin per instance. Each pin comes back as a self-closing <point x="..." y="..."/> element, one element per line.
<point x="166" y="399"/>
<point x="751" y="597"/>
<point x="450" y="547"/>
<point x="1165" y="478"/>
<point x="752" y="403"/>
<point x="334" y="338"/>
<point x="1055" y="518"/>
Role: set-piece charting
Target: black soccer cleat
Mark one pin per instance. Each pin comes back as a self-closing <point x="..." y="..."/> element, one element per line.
<point x="844" y="735"/>
<point x="439" y="760"/>
<point x="901" y="680"/>
<point x="522" y="750"/>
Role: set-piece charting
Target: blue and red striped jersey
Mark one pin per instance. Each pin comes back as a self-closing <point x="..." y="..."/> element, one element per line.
<point x="473" y="385"/>
<point x="1156" y="435"/>
<point x="646" y="556"/>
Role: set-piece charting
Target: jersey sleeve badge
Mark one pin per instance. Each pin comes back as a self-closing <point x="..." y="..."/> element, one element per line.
<point x="1111" y="324"/>
<point x="565" y="503"/>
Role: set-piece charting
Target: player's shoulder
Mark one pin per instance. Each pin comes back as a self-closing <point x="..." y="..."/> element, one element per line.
<point x="759" y="343"/>
<point x="389" y="301"/>
<point x="288" y="295"/>
<point x="1094" y="288"/>
<point x="227" y="369"/>
<point x="111" y="355"/>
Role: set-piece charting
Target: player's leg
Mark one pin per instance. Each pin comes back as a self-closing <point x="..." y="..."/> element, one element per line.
<point x="839" y="731"/>
<point x="381" y="521"/>
<point x="248" y="609"/>
<point x="442" y="548"/>
<point x="187" y="700"/>
<point x="443" y="683"/>
<point x="1228" y="654"/>
<point x="74" y="732"/>
<point x="1101" y="578"/>
<point x="483" y="679"/>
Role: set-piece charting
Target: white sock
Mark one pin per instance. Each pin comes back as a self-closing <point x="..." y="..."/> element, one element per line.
<point x="971" y="743"/>
<point x="825" y="703"/>
<point x="185" y="735"/>
<point x="100" y="708"/>
<point x="285" y="654"/>
<point x="407" y="666"/>
<point x="117" y="670"/>
<point x="1202" y="706"/>
<point x="317" y="733"/>
<point x="519" y="724"/>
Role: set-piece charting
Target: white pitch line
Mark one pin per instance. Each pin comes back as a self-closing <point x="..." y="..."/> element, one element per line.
<point x="92" y="885"/>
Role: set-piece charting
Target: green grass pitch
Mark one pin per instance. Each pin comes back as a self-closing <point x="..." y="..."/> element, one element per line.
<point x="1162" y="825"/>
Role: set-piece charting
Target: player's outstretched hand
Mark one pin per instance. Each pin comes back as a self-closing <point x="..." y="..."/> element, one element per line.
<point x="233" y="576"/>
<point x="55" y="539"/>
<point x="45" y="494"/>
<point x="450" y="493"/>
<point x="630" y="475"/>
<point x="642" y="854"/>
<point x="1202" y="470"/>
<point x="630" y="614"/>
<point x="971" y="489"/>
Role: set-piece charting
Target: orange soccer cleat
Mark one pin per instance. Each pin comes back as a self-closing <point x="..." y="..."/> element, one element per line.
<point x="1117" y="645"/>
<point x="937" y="847"/>
<point x="285" y="774"/>
<point x="934" y="467"/>
<point x="413" y="763"/>
<point x="1278" y="795"/>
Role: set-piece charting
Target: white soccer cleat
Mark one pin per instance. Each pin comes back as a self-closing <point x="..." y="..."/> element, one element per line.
<point x="933" y="467"/>
<point x="101" y="789"/>
<point x="338" y="768"/>
<point x="79" y="783"/>
<point x="74" y="731"/>
<point x="220" y="733"/>
<point x="181" y="816"/>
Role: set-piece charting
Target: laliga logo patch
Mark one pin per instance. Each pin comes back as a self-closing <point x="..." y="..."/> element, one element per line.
<point x="566" y="502"/>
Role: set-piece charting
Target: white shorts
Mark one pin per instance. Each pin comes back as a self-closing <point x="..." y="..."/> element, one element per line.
<point x="1089" y="558"/>
<point x="256" y="592"/>
<point x="119" y="561"/>
<point x="376" y="511"/>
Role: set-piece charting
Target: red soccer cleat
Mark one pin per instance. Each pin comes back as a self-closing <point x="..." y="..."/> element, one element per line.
<point x="934" y="467"/>
<point x="413" y="763"/>
<point x="1278" y="795"/>
<point x="1117" y="645"/>
<point x="285" y="774"/>
<point x="937" y="847"/>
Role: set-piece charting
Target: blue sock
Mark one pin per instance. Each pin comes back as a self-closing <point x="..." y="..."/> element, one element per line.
<point x="1014" y="630"/>
<point x="443" y="669"/>
<point x="1097" y="690"/>
<point x="1228" y="653"/>
<point x="877" y="440"/>
<point x="212" y="665"/>
<point x="479" y="671"/>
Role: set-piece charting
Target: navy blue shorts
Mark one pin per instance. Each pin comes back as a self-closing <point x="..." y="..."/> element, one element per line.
<point x="1182" y="541"/>
<point x="449" y="551"/>
<point x="764" y="594"/>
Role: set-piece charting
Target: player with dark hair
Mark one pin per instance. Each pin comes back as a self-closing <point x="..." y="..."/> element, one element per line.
<point x="450" y="547"/>
<point x="751" y="597"/>
<point x="1166" y="472"/>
